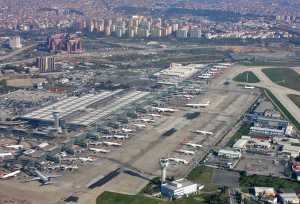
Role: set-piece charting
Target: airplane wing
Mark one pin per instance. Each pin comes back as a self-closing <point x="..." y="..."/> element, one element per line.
<point x="34" y="179"/>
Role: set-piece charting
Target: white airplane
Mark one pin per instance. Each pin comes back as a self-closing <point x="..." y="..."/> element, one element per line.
<point x="154" y="115"/>
<point x="198" y="105"/>
<point x="193" y="145"/>
<point x="6" y="176"/>
<point x="87" y="159"/>
<point x="5" y="154"/>
<point x="95" y="143"/>
<point x="112" y="144"/>
<point x="170" y="110"/>
<point x="177" y="160"/>
<point x="215" y="69"/>
<point x="147" y="120"/>
<point x="126" y="130"/>
<point x="99" y="150"/>
<point x="107" y="137"/>
<point x="204" y="77"/>
<point x="121" y="136"/>
<point x="139" y="125"/>
<point x="14" y="146"/>
<point x="71" y="167"/>
<point x="183" y="151"/>
<point x="204" y="132"/>
<point x="206" y="74"/>
<point x="44" y="179"/>
<point x="249" y="87"/>
<point x="188" y="96"/>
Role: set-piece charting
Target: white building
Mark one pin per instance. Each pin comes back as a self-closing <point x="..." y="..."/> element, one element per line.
<point x="182" y="33"/>
<point x="15" y="42"/>
<point x="180" y="188"/>
<point x="195" y="33"/>
<point x="232" y="154"/>
<point x="266" y="194"/>
<point x="288" y="198"/>
<point x="178" y="72"/>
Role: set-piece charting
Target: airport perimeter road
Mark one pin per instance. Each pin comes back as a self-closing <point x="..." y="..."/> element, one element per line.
<point x="280" y="92"/>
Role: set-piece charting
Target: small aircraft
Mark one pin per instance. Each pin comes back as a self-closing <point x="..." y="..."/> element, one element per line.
<point x="68" y="167"/>
<point x="177" y="160"/>
<point x="183" y="151"/>
<point x="112" y="144"/>
<point x="99" y="150"/>
<point x="14" y="173"/>
<point x="95" y="143"/>
<point x="193" y="145"/>
<point x="167" y="110"/>
<point x="87" y="159"/>
<point x="198" y="105"/>
<point x="121" y="136"/>
<point x="126" y="130"/>
<point x="44" y="179"/>
<point x="249" y="87"/>
<point x="147" y="120"/>
<point x="204" y="77"/>
<point x="188" y="96"/>
<point x="14" y="146"/>
<point x="5" y="154"/>
<point x="139" y="125"/>
<point x="204" y="132"/>
<point x="107" y="137"/>
<point x="154" y="115"/>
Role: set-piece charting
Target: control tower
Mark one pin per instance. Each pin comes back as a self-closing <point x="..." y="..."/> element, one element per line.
<point x="163" y="165"/>
<point x="56" y="117"/>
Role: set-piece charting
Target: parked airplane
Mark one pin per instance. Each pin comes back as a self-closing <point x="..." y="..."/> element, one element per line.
<point x="14" y="146"/>
<point x="183" y="151"/>
<point x="107" y="137"/>
<point x="44" y="179"/>
<point x="193" y="145"/>
<point x="70" y="167"/>
<point x="5" y="154"/>
<point x="168" y="110"/>
<point x="215" y="69"/>
<point x="249" y="87"/>
<point x="126" y="130"/>
<point x="147" y="120"/>
<point x="63" y="167"/>
<point x="112" y="144"/>
<point x="99" y="150"/>
<point x="95" y="143"/>
<point x="198" y="105"/>
<point x="154" y="115"/>
<point x="121" y="136"/>
<point x="14" y="173"/>
<point x="177" y="160"/>
<point x="204" y="77"/>
<point x="139" y="125"/>
<point x="87" y="159"/>
<point x="188" y="96"/>
<point x="204" y="132"/>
